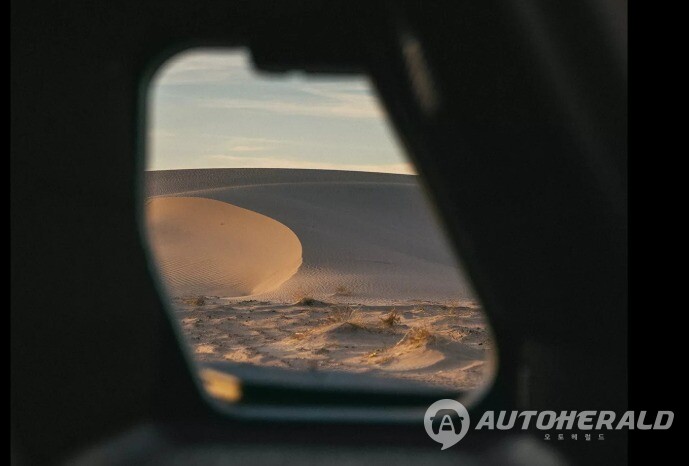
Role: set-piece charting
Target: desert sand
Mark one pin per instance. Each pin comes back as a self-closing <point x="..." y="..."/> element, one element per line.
<point x="318" y="270"/>
<point x="208" y="247"/>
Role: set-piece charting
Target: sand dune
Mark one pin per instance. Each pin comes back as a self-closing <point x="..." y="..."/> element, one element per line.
<point x="378" y="290"/>
<point x="204" y="247"/>
<point x="366" y="236"/>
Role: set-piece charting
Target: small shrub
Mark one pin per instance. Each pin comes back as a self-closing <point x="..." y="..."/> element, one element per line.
<point x="417" y="336"/>
<point x="309" y="301"/>
<point x="391" y="319"/>
<point x="342" y="314"/>
<point x="347" y="315"/>
<point x="194" y="300"/>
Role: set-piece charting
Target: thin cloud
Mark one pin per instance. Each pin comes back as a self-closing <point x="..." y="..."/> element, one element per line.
<point x="158" y="133"/>
<point x="340" y="99"/>
<point x="227" y="82"/>
<point x="248" y="148"/>
<point x="338" y="90"/>
<point x="355" y="107"/>
<point x="326" y="99"/>
<point x="268" y="142"/>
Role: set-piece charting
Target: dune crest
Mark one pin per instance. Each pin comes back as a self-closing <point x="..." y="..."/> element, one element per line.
<point x="367" y="237"/>
<point x="208" y="247"/>
<point x="378" y="292"/>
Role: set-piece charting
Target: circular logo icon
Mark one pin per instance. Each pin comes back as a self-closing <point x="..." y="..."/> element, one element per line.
<point x="446" y="422"/>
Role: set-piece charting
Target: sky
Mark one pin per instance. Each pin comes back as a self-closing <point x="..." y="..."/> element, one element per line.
<point x="209" y="109"/>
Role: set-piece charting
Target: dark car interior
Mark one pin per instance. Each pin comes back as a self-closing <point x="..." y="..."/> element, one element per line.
<point x="514" y="113"/>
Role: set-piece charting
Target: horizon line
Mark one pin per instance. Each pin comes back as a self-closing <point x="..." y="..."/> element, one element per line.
<point x="281" y="168"/>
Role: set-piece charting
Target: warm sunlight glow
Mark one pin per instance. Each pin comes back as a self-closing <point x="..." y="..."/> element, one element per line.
<point x="289" y="231"/>
<point x="210" y="110"/>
